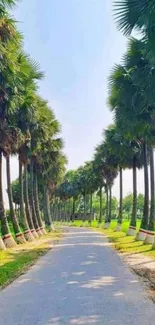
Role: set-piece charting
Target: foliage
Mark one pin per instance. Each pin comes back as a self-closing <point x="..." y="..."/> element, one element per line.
<point x="96" y="205"/>
<point x="16" y="191"/>
<point x="127" y="203"/>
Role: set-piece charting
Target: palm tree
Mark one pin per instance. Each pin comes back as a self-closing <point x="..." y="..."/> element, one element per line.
<point x="53" y="167"/>
<point x="137" y="15"/>
<point x="92" y="185"/>
<point x="143" y="78"/>
<point x="11" y="86"/>
<point x="83" y="181"/>
<point x="29" y="73"/>
<point x="18" y="233"/>
<point x="98" y="166"/>
<point x="10" y="43"/>
<point x="19" y="100"/>
<point x="42" y="129"/>
<point x="150" y="235"/>
<point x="23" y="153"/>
<point x="8" y="3"/>
<point x="23" y="217"/>
<point x="137" y="162"/>
<point x="110" y="163"/>
<point x="118" y="147"/>
<point x="10" y="136"/>
<point x="11" y="139"/>
<point x="63" y="191"/>
<point x="27" y="202"/>
<point x="8" y="30"/>
<point x="32" y="200"/>
<point x="5" y="230"/>
<point x="74" y="189"/>
<point x="47" y="214"/>
<point x="106" y="168"/>
<point x="36" y="203"/>
<point x="130" y="104"/>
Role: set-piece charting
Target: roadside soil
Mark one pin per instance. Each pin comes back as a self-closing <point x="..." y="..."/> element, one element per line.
<point x="144" y="267"/>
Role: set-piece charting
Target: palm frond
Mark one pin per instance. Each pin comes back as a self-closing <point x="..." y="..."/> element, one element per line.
<point x="8" y="3"/>
<point x="130" y="14"/>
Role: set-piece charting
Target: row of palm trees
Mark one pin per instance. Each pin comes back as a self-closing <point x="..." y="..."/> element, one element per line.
<point x="28" y="129"/>
<point x="129" y="142"/>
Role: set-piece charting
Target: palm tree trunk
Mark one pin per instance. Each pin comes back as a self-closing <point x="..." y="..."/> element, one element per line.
<point x="36" y="203"/>
<point x="59" y="210"/>
<point x="68" y="204"/>
<point x="100" y="216"/>
<point x="62" y="205"/>
<point x="91" y="208"/>
<point x="19" y="235"/>
<point x="62" y="210"/>
<point x="134" y="207"/>
<point x="6" y="235"/>
<point x="45" y="208"/>
<point x="109" y="205"/>
<point x="73" y="206"/>
<point x="16" y="210"/>
<point x="48" y="218"/>
<point x="120" y="216"/>
<point x="145" y="218"/>
<point x="52" y="210"/>
<point x="55" y="215"/>
<point x="31" y="193"/>
<point x="66" y="207"/>
<point x="152" y="183"/>
<point x="23" y="218"/>
<point x="84" y="198"/>
<point x="65" y="210"/>
<point x="27" y="203"/>
<point x="150" y="239"/>
<point x="69" y="209"/>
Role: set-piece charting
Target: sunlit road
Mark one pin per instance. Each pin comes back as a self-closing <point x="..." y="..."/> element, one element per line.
<point x="81" y="281"/>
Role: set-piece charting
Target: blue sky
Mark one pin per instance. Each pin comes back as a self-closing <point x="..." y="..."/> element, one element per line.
<point x="76" y="43"/>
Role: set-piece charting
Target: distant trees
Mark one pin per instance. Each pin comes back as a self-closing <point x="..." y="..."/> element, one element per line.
<point x="128" y="203"/>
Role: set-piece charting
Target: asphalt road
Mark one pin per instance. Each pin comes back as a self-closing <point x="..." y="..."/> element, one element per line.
<point x="81" y="281"/>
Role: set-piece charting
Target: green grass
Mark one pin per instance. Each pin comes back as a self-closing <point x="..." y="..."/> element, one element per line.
<point x="80" y="223"/>
<point x="123" y="243"/>
<point x="16" y="261"/>
<point x="128" y="244"/>
<point x="94" y="224"/>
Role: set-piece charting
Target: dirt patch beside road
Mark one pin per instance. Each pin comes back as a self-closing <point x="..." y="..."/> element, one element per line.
<point x="144" y="267"/>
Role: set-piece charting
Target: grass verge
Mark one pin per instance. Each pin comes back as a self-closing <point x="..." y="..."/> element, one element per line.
<point x="128" y="244"/>
<point x="14" y="262"/>
<point x="123" y="243"/>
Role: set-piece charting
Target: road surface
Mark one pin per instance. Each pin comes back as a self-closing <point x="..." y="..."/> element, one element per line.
<point x="81" y="281"/>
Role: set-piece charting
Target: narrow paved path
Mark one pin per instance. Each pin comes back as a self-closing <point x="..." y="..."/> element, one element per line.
<point x="81" y="281"/>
